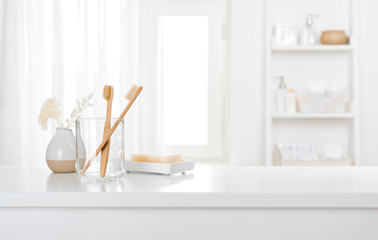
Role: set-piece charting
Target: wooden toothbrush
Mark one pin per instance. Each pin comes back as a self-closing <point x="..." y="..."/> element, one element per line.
<point x="131" y="96"/>
<point x="108" y="96"/>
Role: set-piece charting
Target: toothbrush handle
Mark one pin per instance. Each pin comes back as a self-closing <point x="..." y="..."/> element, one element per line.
<point x="106" y="149"/>
<point x="109" y="134"/>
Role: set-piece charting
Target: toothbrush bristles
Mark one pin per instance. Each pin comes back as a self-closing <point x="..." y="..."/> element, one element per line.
<point x="133" y="90"/>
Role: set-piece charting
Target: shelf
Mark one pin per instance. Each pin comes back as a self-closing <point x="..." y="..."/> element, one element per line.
<point x="321" y="162"/>
<point x="316" y="48"/>
<point x="318" y="116"/>
<point x="302" y="64"/>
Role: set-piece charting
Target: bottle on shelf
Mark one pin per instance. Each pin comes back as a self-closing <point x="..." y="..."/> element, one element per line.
<point x="281" y="96"/>
<point x="291" y="102"/>
<point x="308" y="34"/>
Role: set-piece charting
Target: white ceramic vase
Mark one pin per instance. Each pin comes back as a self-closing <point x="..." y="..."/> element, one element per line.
<point x="61" y="151"/>
<point x="81" y="151"/>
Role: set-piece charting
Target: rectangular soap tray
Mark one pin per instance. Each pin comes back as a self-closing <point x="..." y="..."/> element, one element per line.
<point x="162" y="168"/>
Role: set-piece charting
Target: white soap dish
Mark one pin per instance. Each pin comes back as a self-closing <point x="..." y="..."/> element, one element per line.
<point x="162" y="168"/>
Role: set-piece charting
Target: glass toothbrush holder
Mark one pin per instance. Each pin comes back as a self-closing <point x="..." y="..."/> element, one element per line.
<point x="89" y="133"/>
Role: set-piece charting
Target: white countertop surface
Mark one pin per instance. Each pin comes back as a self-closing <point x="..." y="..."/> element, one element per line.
<point x="208" y="185"/>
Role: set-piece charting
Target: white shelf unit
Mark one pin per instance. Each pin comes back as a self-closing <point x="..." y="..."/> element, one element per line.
<point x="339" y="61"/>
<point x="318" y="48"/>
<point x="319" y="116"/>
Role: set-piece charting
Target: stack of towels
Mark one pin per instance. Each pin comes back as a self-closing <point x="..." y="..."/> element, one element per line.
<point x="306" y="151"/>
<point x="297" y="151"/>
<point x="325" y="89"/>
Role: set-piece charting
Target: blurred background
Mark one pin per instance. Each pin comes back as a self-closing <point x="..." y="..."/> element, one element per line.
<point x="278" y="82"/>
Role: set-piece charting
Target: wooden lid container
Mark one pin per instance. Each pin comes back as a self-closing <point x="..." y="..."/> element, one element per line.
<point x="334" y="37"/>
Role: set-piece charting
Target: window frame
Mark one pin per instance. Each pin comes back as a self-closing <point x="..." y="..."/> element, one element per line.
<point x="215" y="10"/>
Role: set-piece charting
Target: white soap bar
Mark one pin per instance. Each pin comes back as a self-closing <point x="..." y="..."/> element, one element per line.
<point x="163" y="168"/>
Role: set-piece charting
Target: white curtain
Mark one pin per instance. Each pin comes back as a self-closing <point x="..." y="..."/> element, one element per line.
<point x="67" y="49"/>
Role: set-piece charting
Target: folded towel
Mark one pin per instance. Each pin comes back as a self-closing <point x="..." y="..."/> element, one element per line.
<point x="333" y="151"/>
<point x="334" y="89"/>
<point x="316" y="89"/>
<point x="323" y="88"/>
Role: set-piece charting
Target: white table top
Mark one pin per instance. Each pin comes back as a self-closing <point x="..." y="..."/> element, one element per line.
<point x="209" y="185"/>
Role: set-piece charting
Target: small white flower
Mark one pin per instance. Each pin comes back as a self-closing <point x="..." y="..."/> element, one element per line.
<point x="76" y="112"/>
<point x="50" y="109"/>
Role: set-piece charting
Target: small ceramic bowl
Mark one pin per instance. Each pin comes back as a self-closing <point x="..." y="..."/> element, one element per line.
<point x="334" y="37"/>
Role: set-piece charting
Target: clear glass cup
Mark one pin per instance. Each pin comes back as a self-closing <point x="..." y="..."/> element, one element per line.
<point x="89" y="133"/>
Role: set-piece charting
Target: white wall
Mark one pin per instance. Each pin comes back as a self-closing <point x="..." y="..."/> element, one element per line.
<point x="246" y="84"/>
<point x="368" y="74"/>
<point x="247" y="81"/>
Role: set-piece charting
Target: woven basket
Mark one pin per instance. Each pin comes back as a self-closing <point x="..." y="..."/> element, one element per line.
<point x="313" y="104"/>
